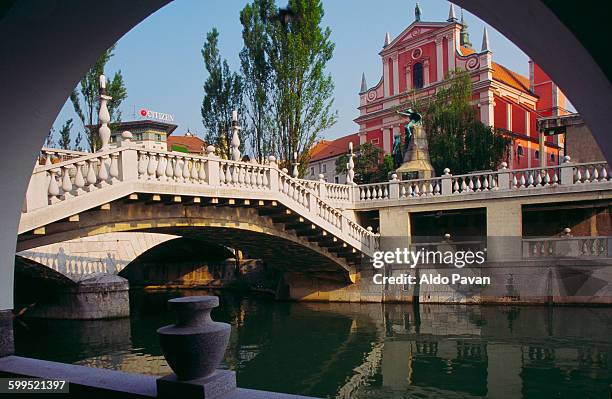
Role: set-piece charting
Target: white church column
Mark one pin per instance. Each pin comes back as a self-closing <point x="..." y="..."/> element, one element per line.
<point x="451" y="52"/>
<point x="439" y="60"/>
<point x="395" y="75"/>
<point x="385" y="78"/>
<point x="426" y="73"/>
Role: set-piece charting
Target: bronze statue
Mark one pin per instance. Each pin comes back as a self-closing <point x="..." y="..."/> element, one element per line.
<point x="413" y="118"/>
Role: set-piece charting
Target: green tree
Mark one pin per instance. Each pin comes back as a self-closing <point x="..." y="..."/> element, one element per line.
<point x="370" y="164"/>
<point x="64" y="140"/>
<point x="257" y="74"/>
<point x="457" y="138"/>
<point x="222" y="95"/>
<point x="300" y="92"/>
<point x="85" y="98"/>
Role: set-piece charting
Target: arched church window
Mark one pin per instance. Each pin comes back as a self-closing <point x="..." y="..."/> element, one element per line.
<point x="519" y="151"/>
<point x="537" y="154"/>
<point x="417" y="75"/>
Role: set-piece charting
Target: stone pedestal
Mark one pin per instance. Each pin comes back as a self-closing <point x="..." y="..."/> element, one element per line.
<point x="212" y="386"/>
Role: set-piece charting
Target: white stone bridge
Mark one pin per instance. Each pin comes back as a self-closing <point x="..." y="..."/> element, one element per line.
<point x="299" y="225"/>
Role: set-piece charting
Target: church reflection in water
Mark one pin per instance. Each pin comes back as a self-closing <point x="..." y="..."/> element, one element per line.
<point x="362" y="350"/>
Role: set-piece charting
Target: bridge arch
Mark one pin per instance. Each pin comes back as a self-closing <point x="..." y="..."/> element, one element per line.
<point x="270" y="232"/>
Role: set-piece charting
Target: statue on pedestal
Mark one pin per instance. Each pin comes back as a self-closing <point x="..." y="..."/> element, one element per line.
<point x="416" y="164"/>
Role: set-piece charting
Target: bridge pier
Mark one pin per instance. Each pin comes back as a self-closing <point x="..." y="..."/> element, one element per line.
<point x="100" y="297"/>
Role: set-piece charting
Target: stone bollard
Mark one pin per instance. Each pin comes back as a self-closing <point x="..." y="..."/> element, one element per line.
<point x="567" y="171"/>
<point x="194" y="347"/>
<point x="503" y="177"/>
<point x="447" y="183"/>
<point x="394" y="188"/>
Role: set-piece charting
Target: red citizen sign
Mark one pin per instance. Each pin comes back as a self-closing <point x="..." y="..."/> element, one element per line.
<point x="147" y="113"/>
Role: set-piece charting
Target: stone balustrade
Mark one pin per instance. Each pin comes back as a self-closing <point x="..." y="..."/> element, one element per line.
<point x="319" y="201"/>
<point x="567" y="246"/>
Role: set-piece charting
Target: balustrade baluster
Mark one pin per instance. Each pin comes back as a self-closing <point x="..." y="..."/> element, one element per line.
<point x="114" y="166"/>
<point x="221" y="173"/>
<point x="485" y="182"/>
<point x="102" y="172"/>
<point x="91" y="172"/>
<point x="587" y="175"/>
<point x="202" y="171"/>
<point x="170" y="167"/>
<point x="151" y="167"/>
<point x="194" y="170"/>
<point x="79" y="181"/>
<point x="160" y="172"/>
<point x="247" y="176"/>
<point x="514" y="181"/>
<point x="143" y="162"/>
<point x="578" y="175"/>
<point x="178" y="168"/>
<point x="228" y="174"/>
<point x="66" y="182"/>
<point x="186" y="170"/>
<point x="523" y="182"/>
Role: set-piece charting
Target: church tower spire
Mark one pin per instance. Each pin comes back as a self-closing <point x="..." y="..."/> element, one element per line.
<point x="464" y="36"/>
<point x="485" y="41"/>
<point x="364" y="85"/>
<point x="387" y="40"/>
<point x="451" y="14"/>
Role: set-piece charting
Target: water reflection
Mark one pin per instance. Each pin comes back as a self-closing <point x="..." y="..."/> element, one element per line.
<point x="362" y="350"/>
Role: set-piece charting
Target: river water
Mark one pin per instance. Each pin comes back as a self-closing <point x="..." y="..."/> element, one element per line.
<point x="361" y="350"/>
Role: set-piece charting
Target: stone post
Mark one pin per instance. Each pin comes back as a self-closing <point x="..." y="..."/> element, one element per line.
<point x="350" y="166"/>
<point x="503" y="177"/>
<point x="274" y="175"/>
<point x="128" y="159"/>
<point x="394" y="189"/>
<point x="235" y="138"/>
<point x="37" y="195"/>
<point x="104" y="115"/>
<point x="212" y="166"/>
<point x="447" y="183"/>
<point x="322" y="188"/>
<point x="295" y="172"/>
<point x="567" y="171"/>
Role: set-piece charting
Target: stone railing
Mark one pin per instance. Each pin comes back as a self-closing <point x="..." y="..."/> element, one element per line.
<point x="503" y="179"/>
<point x="573" y="247"/>
<point x="67" y="180"/>
<point x="49" y="156"/>
<point x="337" y="193"/>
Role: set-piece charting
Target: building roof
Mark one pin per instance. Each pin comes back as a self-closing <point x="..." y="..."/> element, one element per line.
<point x="504" y="75"/>
<point x="193" y="144"/>
<point x="333" y="148"/>
<point x="119" y="127"/>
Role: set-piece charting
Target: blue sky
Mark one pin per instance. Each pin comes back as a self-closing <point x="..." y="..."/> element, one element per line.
<point x="163" y="68"/>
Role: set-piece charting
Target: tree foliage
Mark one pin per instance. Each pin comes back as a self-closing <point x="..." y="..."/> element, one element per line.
<point x="85" y="98"/>
<point x="370" y="164"/>
<point x="222" y="95"/>
<point x="457" y="139"/>
<point x="285" y="54"/>
<point x="64" y="139"/>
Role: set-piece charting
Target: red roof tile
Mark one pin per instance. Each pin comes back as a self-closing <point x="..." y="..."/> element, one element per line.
<point x="328" y="149"/>
<point x="193" y="144"/>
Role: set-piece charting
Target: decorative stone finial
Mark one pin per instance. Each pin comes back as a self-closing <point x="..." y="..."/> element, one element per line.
<point x="364" y="85"/>
<point x="567" y="231"/>
<point x="235" y="138"/>
<point x="126" y="136"/>
<point x="567" y="159"/>
<point x="370" y="229"/>
<point x="485" y="41"/>
<point x="451" y="14"/>
<point x="446" y="171"/>
<point x="504" y="165"/>
<point x="447" y="236"/>
<point x="321" y="177"/>
<point x="394" y="177"/>
<point x="103" y="115"/>
<point x="210" y="150"/>
<point x="272" y="159"/>
<point x="387" y="39"/>
<point x="350" y="166"/>
<point x="295" y="172"/>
